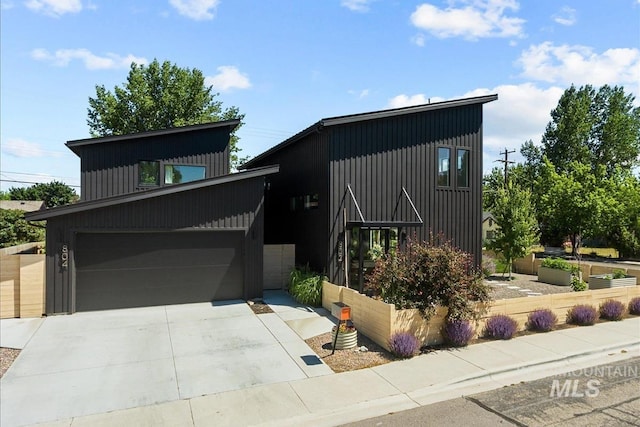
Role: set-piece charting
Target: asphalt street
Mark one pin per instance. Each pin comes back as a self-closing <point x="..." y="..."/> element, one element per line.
<point x="607" y="394"/>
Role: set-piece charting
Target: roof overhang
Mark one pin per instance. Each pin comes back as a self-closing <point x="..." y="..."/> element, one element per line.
<point x="75" y="144"/>
<point x="353" y="118"/>
<point x="149" y="194"/>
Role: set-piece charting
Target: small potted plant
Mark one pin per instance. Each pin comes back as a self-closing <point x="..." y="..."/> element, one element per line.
<point x="347" y="335"/>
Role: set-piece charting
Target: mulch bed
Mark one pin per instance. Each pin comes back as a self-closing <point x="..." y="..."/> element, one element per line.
<point x="349" y="359"/>
<point x="7" y="356"/>
<point x="259" y="307"/>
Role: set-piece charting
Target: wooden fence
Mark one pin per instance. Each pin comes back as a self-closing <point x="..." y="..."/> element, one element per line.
<point x="379" y="320"/>
<point x="21" y="282"/>
<point x="278" y="262"/>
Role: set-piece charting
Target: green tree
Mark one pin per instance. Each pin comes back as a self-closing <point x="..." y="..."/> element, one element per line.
<point x="15" y="230"/>
<point x="159" y="96"/>
<point x="622" y="217"/>
<point x="53" y="194"/>
<point x="597" y="128"/>
<point x="517" y="226"/>
<point x="574" y="203"/>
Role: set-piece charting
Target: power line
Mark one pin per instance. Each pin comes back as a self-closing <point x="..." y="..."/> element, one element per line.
<point x="41" y="175"/>
<point x="31" y="182"/>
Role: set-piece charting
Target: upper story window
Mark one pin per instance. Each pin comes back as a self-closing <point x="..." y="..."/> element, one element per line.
<point x="175" y="174"/>
<point x="462" y="167"/>
<point x="149" y="173"/>
<point x="444" y="162"/>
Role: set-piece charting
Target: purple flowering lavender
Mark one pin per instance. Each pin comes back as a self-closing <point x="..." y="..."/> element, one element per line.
<point x="403" y="344"/>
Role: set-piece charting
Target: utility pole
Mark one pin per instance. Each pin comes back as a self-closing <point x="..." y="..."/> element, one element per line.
<point x="506" y="162"/>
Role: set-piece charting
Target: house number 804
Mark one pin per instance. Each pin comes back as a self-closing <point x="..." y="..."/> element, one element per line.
<point x="64" y="256"/>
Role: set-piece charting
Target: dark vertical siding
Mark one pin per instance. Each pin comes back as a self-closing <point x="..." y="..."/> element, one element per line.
<point x="212" y="208"/>
<point x="111" y="168"/>
<point x="379" y="157"/>
<point x="303" y="171"/>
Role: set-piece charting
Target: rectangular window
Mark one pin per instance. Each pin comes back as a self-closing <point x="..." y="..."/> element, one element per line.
<point x="311" y="201"/>
<point x="444" y="159"/>
<point x="175" y="174"/>
<point x="463" y="169"/>
<point x="148" y="173"/>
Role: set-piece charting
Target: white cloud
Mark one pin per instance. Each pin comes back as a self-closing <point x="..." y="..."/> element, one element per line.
<point x="229" y="77"/>
<point x="475" y="19"/>
<point x="566" y="16"/>
<point x="54" y="7"/>
<point x="21" y="148"/>
<point x="198" y="10"/>
<point x="580" y="65"/>
<point x="62" y="57"/>
<point x="418" y="39"/>
<point x="409" y="100"/>
<point x="356" y="5"/>
<point x="360" y="94"/>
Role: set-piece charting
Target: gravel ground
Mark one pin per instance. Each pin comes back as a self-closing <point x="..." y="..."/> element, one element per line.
<point x="523" y="285"/>
<point x="350" y="359"/>
<point x="7" y="356"/>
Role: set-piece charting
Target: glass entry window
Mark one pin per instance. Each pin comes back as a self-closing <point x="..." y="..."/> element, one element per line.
<point x="175" y="174"/>
<point x="375" y="242"/>
<point x="444" y="163"/>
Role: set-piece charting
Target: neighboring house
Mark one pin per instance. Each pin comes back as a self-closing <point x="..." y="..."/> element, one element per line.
<point x="160" y="221"/>
<point x="22" y="205"/>
<point x="353" y="186"/>
<point x="489" y="226"/>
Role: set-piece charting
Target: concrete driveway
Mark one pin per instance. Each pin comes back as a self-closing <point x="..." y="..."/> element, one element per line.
<point x="96" y="362"/>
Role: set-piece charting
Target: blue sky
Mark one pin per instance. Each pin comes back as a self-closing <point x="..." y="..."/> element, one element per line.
<point x="287" y="64"/>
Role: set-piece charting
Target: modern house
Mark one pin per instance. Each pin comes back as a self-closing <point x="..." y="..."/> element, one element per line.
<point x="161" y="221"/>
<point x="351" y="187"/>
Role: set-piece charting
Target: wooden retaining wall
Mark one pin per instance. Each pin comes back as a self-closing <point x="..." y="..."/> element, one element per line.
<point x="379" y="320"/>
<point x="22" y="285"/>
<point x="530" y="265"/>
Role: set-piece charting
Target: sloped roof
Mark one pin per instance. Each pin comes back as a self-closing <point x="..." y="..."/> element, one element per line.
<point x="352" y="118"/>
<point x="148" y="194"/>
<point x="22" y="205"/>
<point x="74" y="144"/>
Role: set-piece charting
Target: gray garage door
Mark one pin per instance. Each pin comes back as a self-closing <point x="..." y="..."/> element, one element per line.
<point x="119" y="270"/>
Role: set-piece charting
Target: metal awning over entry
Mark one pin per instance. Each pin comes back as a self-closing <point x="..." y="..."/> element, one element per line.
<point x="363" y="226"/>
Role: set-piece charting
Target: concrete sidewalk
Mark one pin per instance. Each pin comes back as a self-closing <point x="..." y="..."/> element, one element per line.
<point x="346" y="397"/>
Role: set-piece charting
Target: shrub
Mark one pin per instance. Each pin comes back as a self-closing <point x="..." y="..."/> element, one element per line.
<point x="619" y="274"/>
<point x="305" y="286"/>
<point x="431" y="274"/>
<point x="500" y="327"/>
<point x="582" y="315"/>
<point x="611" y="310"/>
<point x="458" y="332"/>
<point x="403" y="344"/>
<point x="542" y="320"/>
<point x="578" y="285"/>
<point x="488" y="266"/>
<point x="634" y="306"/>
<point x="559" y="264"/>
